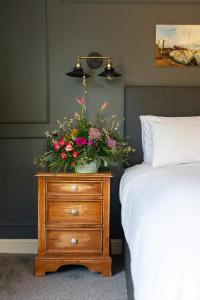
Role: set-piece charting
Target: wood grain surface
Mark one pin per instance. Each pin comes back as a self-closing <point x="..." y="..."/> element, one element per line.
<point x="73" y="222"/>
<point x="64" y="213"/>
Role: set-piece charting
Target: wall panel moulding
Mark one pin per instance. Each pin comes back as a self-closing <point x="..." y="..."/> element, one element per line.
<point x="25" y="95"/>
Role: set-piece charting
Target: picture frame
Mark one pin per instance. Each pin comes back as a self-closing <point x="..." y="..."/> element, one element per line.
<point x="177" y="45"/>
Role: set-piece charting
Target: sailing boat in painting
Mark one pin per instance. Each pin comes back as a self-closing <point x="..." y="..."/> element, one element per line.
<point x="177" y="45"/>
<point x="197" y="57"/>
<point x="182" y="56"/>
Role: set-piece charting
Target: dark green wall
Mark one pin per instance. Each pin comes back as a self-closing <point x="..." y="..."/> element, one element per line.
<point x="39" y="43"/>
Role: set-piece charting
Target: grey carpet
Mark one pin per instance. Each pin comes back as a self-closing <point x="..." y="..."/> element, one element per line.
<point x="17" y="281"/>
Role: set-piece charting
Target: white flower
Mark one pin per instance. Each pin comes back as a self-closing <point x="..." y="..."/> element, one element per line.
<point x="105" y="164"/>
<point x="47" y="133"/>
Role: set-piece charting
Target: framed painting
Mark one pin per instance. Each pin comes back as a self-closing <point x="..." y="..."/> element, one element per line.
<point x="177" y="45"/>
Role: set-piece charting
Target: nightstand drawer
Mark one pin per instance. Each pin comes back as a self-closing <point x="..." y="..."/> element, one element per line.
<point x="73" y="187"/>
<point x="61" y="213"/>
<point x="74" y="241"/>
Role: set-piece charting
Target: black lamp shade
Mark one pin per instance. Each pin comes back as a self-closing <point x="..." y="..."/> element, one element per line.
<point x="109" y="73"/>
<point x="77" y="72"/>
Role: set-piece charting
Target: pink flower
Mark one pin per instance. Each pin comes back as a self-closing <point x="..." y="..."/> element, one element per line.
<point x="80" y="141"/>
<point x="104" y="106"/>
<point x="75" y="154"/>
<point x="68" y="147"/>
<point x="90" y="142"/>
<point x="112" y="143"/>
<point x="62" y="141"/>
<point x="95" y="133"/>
<point x="63" y="155"/>
<point x="81" y="100"/>
<point x="56" y="146"/>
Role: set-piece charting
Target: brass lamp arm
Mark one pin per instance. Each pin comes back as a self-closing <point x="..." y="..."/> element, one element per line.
<point x="94" y="57"/>
<point x="94" y="60"/>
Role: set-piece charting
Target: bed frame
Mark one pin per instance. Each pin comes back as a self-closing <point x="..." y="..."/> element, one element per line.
<point x="168" y="101"/>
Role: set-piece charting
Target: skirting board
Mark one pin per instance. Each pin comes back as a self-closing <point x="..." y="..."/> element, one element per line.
<point x="29" y="246"/>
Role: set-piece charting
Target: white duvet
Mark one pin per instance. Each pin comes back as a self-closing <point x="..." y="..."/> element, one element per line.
<point x="161" y="222"/>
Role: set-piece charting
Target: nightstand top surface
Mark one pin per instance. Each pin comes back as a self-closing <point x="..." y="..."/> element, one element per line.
<point x="73" y="174"/>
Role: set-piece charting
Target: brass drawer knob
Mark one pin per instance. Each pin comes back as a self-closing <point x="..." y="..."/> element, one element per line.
<point x="74" y="188"/>
<point x="74" y="212"/>
<point x="74" y="241"/>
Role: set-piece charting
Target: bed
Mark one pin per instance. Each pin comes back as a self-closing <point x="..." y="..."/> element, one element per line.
<point x="154" y="263"/>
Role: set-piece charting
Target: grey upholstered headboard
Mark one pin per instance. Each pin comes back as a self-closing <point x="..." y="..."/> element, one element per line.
<point x="156" y="100"/>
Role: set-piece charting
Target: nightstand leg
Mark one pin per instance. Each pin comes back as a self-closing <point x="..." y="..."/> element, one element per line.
<point x="106" y="273"/>
<point x="107" y="269"/>
<point x="104" y="267"/>
<point x="39" y="268"/>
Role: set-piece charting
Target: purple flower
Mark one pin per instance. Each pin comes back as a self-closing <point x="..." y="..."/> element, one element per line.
<point x="80" y="141"/>
<point x="95" y="133"/>
<point x="112" y="143"/>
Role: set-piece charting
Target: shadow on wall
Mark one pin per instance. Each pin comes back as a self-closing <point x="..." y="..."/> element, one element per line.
<point x="116" y="230"/>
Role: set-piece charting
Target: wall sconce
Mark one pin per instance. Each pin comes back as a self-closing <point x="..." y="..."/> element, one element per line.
<point x="94" y="61"/>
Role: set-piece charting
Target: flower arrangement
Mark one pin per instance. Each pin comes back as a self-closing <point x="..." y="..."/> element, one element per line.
<point x="79" y="141"/>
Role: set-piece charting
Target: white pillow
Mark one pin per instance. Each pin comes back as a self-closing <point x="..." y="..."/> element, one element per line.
<point x="175" y="140"/>
<point x="147" y="142"/>
<point x="147" y="138"/>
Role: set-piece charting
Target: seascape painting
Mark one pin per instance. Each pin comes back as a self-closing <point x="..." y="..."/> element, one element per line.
<point x="177" y="45"/>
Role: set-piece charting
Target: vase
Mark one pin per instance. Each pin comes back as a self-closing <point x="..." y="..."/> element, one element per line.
<point x="91" y="167"/>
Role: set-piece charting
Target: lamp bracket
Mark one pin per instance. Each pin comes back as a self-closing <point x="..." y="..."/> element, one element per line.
<point x="94" y="59"/>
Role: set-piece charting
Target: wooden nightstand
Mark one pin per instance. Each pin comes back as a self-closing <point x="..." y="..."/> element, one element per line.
<point x="73" y="221"/>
